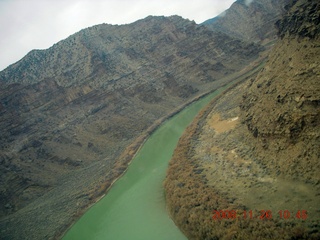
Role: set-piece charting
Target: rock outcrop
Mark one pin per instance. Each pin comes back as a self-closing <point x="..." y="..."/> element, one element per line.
<point x="281" y="107"/>
<point x="258" y="27"/>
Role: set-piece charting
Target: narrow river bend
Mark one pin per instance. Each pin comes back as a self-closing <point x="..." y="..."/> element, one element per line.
<point x="134" y="208"/>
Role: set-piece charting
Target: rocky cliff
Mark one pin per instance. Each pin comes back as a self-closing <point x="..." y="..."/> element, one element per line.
<point x="247" y="168"/>
<point x="259" y="27"/>
<point x="281" y="107"/>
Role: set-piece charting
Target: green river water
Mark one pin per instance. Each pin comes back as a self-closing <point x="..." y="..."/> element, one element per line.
<point x="134" y="208"/>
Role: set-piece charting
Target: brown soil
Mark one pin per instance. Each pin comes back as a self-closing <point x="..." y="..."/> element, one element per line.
<point x="222" y="125"/>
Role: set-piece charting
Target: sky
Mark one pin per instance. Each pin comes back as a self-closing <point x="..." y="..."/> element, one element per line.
<point x="38" y="24"/>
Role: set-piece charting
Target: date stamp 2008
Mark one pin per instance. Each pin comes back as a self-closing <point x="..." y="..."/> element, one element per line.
<point x="264" y="214"/>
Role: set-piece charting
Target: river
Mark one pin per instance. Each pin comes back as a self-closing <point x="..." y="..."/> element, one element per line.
<point x="134" y="208"/>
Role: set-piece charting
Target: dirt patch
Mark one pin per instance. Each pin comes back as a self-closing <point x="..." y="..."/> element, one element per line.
<point x="220" y="125"/>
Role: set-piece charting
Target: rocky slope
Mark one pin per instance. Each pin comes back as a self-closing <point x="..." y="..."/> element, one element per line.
<point x="259" y="27"/>
<point x="254" y="153"/>
<point x="281" y="108"/>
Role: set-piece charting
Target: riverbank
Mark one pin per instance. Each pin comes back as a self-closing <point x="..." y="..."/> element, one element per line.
<point x="134" y="208"/>
<point x="214" y="169"/>
<point x="248" y="166"/>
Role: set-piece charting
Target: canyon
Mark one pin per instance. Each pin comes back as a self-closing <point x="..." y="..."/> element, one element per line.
<point x="73" y="116"/>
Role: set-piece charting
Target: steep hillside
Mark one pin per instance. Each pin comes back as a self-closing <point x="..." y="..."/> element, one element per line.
<point x="249" y="20"/>
<point x="248" y="166"/>
<point x="72" y="116"/>
<point x="281" y="107"/>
